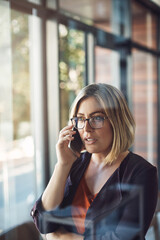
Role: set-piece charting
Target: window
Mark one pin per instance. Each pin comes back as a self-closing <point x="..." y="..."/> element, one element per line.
<point x="144" y="26"/>
<point x="145" y="104"/>
<point x="51" y="4"/>
<point x="49" y="50"/>
<point x="107" y="66"/>
<point x="72" y="68"/>
<point x="35" y="1"/>
<point x="21" y="177"/>
<point x="108" y="15"/>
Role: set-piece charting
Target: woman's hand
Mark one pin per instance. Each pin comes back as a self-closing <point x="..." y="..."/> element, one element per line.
<point x="54" y="192"/>
<point x="64" y="154"/>
<point x="63" y="235"/>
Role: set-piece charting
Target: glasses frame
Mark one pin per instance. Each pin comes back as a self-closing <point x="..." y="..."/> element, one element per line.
<point x="88" y="119"/>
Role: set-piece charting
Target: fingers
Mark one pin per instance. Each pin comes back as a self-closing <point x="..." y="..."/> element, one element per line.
<point x="67" y="133"/>
<point x="65" y="136"/>
<point x="64" y="154"/>
<point x="67" y="128"/>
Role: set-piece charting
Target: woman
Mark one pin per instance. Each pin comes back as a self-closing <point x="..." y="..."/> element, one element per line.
<point x="98" y="188"/>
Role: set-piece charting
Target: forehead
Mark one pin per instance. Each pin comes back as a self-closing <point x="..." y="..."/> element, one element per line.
<point x="90" y="105"/>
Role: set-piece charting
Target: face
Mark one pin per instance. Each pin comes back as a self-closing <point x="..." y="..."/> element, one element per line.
<point x="98" y="141"/>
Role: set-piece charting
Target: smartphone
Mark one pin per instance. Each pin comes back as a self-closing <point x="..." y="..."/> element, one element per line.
<point x="76" y="144"/>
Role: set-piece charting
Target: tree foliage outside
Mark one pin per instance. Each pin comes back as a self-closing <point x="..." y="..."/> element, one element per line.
<point x="71" y="68"/>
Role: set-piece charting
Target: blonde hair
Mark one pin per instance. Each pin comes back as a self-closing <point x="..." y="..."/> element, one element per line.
<point x="117" y="110"/>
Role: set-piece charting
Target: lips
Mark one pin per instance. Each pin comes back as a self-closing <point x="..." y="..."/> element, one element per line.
<point x="89" y="141"/>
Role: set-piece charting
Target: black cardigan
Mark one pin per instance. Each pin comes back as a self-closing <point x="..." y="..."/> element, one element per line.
<point x="122" y="219"/>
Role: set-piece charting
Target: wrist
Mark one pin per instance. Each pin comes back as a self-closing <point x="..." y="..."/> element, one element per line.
<point x="63" y="166"/>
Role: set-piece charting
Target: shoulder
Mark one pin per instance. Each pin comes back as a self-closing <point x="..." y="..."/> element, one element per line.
<point x="135" y="165"/>
<point x="134" y="160"/>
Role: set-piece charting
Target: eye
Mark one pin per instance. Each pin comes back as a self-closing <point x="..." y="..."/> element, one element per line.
<point x="97" y="118"/>
<point x="80" y="119"/>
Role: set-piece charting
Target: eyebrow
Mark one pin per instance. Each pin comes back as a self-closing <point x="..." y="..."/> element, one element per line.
<point x="92" y="113"/>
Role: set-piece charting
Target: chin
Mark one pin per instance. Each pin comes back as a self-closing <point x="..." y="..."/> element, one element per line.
<point x="92" y="150"/>
<point x="98" y="150"/>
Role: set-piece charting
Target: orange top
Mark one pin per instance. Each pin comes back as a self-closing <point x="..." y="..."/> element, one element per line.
<point x="81" y="202"/>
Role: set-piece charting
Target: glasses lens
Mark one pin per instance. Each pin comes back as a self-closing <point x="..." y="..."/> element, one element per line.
<point x="74" y="122"/>
<point x="78" y="122"/>
<point x="96" y="122"/>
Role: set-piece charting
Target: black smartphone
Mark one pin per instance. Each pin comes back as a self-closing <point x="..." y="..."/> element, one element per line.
<point x="76" y="144"/>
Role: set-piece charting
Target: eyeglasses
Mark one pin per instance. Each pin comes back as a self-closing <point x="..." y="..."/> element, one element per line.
<point x="94" y="122"/>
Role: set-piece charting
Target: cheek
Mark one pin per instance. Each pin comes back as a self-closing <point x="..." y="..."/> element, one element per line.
<point x="108" y="134"/>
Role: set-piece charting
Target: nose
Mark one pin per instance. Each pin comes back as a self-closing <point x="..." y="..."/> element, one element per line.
<point x="87" y="126"/>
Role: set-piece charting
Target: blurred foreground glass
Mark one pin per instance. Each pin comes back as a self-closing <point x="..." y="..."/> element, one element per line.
<point x="106" y="222"/>
<point x="71" y="67"/>
<point x="144" y="91"/>
<point x="20" y="150"/>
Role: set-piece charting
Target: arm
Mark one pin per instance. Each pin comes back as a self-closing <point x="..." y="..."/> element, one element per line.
<point x="54" y="191"/>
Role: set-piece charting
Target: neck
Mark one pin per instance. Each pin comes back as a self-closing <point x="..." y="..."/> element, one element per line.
<point x="99" y="159"/>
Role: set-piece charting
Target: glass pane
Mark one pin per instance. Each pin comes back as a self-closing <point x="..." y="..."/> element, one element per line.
<point x="52" y="53"/>
<point x="109" y="15"/>
<point x="72" y="68"/>
<point x="6" y="127"/>
<point x="145" y="105"/>
<point x="144" y="26"/>
<point x="86" y="10"/>
<point x="107" y="66"/>
<point x="20" y="148"/>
